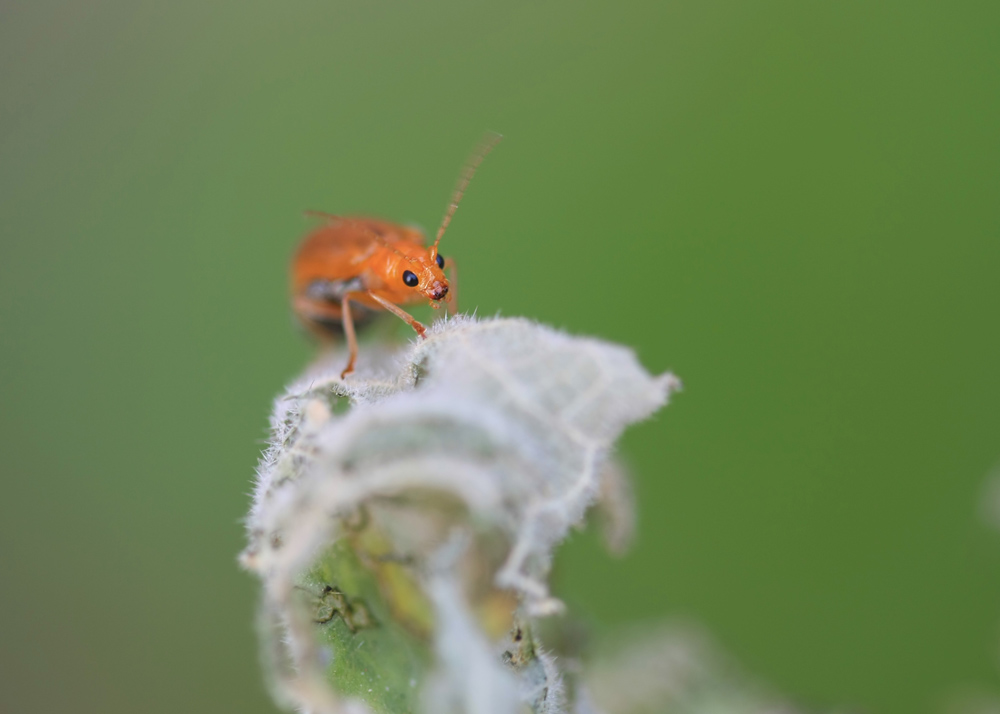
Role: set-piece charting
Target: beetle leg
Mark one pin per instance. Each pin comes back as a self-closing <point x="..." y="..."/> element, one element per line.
<point x="399" y="312"/>
<point x="352" y="340"/>
<point x="452" y="285"/>
<point x="316" y="315"/>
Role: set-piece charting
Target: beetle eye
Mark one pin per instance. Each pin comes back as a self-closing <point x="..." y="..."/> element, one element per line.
<point x="440" y="261"/>
<point x="410" y="279"/>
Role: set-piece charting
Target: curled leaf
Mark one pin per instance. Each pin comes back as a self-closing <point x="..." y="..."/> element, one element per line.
<point x="417" y="505"/>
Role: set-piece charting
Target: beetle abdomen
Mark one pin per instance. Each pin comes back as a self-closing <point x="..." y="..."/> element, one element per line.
<point x="319" y="306"/>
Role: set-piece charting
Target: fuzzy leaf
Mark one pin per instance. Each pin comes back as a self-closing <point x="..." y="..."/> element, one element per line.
<point x="404" y="519"/>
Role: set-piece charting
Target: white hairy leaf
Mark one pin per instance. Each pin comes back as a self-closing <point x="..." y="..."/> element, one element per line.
<point x="404" y="519"/>
<point x="672" y="668"/>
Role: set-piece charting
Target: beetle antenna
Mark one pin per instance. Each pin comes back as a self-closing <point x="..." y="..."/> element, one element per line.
<point x="486" y="145"/>
<point x="375" y="236"/>
<point x="382" y="241"/>
<point x="323" y="214"/>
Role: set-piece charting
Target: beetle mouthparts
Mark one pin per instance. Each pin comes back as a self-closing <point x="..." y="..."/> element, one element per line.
<point x="439" y="291"/>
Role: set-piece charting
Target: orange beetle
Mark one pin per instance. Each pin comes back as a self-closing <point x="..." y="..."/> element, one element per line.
<point x="374" y="264"/>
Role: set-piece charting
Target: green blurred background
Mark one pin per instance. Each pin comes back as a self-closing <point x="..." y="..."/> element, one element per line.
<point x="794" y="205"/>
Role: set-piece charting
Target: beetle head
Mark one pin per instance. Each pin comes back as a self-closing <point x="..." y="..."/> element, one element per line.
<point x="413" y="269"/>
<point x="426" y="275"/>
